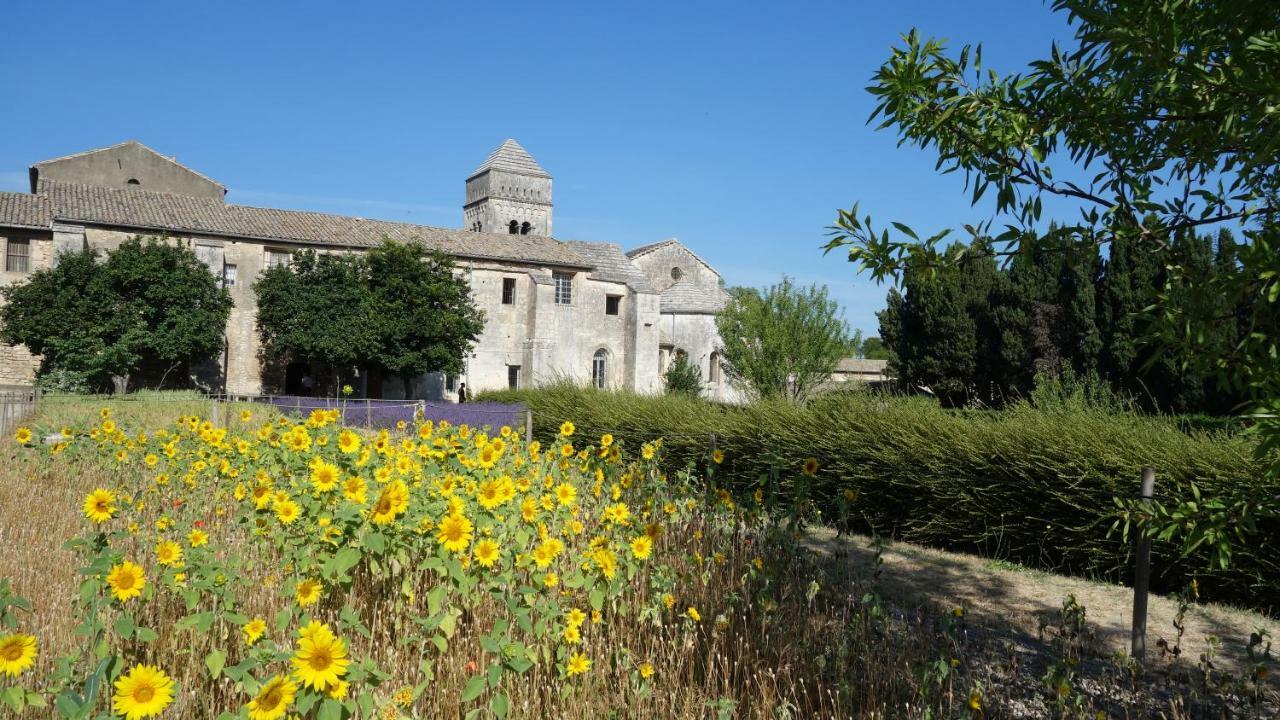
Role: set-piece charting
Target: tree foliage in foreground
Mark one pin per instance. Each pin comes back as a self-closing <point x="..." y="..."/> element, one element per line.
<point x="1160" y="120"/>
<point x="784" y="341"/>
<point x="149" y="307"/>
<point x="398" y="308"/>
<point x="682" y="378"/>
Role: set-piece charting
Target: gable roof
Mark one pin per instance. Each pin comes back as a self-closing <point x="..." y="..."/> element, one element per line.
<point x="167" y="212"/>
<point x="643" y="250"/>
<point x="612" y="265"/>
<point x="511" y="157"/>
<point x="126" y="143"/>
<point x="687" y="297"/>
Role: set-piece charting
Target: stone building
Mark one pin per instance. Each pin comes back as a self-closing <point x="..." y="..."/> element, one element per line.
<point x="554" y="309"/>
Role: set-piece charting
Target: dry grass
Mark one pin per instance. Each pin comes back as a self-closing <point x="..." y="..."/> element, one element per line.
<point x="812" y="634"/>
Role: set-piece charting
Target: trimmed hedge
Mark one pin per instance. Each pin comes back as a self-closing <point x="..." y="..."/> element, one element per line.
<point x="1026" y="484"/>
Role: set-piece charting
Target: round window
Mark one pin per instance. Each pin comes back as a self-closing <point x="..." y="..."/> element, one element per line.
<point x="676" y="273"/>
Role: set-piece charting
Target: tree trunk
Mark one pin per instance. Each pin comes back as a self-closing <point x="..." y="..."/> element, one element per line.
<point x="408" y="385"/>
<point x="120" y="384"/>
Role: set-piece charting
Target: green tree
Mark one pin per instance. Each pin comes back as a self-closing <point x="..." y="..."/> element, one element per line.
<point x="784" y="341"/>
<point x="873" y="348"/>
<point x="1161" y="119"/>
<point x="683" y="378"/>
<point x="424" y="318"/>
<point x="317" y="309"/>
<point x="149" y="308"/>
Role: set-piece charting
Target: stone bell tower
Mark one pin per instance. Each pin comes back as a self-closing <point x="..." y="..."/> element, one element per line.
<point x="509" y="193"/>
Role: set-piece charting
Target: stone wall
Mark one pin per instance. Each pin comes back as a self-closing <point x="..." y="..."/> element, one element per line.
<point x="17" y="365"/>
<point x="118" y="166"/>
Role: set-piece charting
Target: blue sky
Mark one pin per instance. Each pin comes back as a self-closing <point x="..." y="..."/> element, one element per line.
<point x="738" y="127"/>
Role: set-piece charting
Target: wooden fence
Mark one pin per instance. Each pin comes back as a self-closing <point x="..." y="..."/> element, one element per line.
<point x="15" y="407"/>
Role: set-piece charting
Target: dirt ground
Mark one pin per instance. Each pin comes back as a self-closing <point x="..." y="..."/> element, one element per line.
<point x="1009" y="598"/>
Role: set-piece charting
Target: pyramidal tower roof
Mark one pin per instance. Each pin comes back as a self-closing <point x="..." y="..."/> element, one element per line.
<point x="510" y="157"/>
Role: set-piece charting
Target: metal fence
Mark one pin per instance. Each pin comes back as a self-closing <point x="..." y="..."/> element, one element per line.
<point x="15" y="406"/>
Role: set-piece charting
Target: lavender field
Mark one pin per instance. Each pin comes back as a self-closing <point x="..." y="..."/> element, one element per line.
<point x="386" y="413"/>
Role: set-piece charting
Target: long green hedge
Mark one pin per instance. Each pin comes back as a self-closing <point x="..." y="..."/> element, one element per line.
<point x="1026" y="484"/>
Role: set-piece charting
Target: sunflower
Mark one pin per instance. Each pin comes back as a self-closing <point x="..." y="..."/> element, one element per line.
<point x="273" y="699"/>
<point x="126" y="581"/>
<point x="572" y="635"/>
<point x="575" y="618"/>
<point x="348" y="442"/>
<point x="566" y="429"/>
<point x="23" y="435"/>
<point x="17" y="653"/>
<point x="308" y="592"/>
<point x="320" y="660"/>
<point x="100" y="505"/>
<point x="642" y="547"/>
<point x="646" y="451"/>
<point x="487" y="552"/>
<point x="693" y="614"/>
<point x="809" y="467"/>
<point x="717" y="456"/>
<point x="169" y="553"/>
<point x="324" y="476"/>
<point x="287" y="510"/>
<point x="578" y="664"/>
<point x="566" y="494"/>
<point x="196" y="538"/>
<point x="455" y="532"/>
<point x="491" y="494"/>
<point x="253" y="630"/>
<point x="354" y="489"/>
<point x="144" y="692"/>
<point x="393" y="500"/>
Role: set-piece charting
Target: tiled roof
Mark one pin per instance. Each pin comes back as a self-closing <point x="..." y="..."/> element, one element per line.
<point x="23" y="210"/>
<point x="646" y="249"/>
<point x="512" y="158"/>
<point x="861" y="365"/>
<point x="687" y="297"/>
<point x="611" y="265"/>
<point x="146" y="210"/>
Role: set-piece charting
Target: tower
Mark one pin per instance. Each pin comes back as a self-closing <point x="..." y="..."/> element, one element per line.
<point x="509" y="193"/>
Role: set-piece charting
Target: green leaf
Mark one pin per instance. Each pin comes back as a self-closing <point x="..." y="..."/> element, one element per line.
<point x="343" y="561"/>
<point x="15" y="697"/>
<point x="330" y="709"/>
<point x="214" y="661"/>
<point x="124" y="626"/>
<point x="146" y="635"/>
<point x="474" y="687"/>
<point x="498" y="705"/>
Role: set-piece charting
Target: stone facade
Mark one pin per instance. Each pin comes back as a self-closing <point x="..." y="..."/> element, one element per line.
<point x="554" y="310"/>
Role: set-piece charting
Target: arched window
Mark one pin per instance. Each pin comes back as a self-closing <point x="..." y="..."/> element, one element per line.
<point x="713" y="372"/>
<point x="513" y="227"/>
<point x="600" y="369"/>
<point x="525" y="227"/>
<point x="133" y="181"/>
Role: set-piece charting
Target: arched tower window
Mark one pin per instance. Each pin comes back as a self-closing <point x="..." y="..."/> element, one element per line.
<point x="713" y="372"/>
<point x="525" y="227"/>
<point x="600" y="369"/>
<point x="513" y="227"/>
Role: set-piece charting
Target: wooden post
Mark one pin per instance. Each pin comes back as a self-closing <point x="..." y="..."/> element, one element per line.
<point x="713" y="442"/>
<point x="1142" y="574"/>
<point x="528" y="426"/>
<point x="368" y="413"/>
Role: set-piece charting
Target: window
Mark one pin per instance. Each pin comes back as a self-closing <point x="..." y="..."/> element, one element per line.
<point x="564" y="288"/>
<point x="600" y="369"/>
<point x="17" y="256"/>
<point x="278" y="258"/>
<point x="713" y="374"/>
<point x="525" y="227"/>
<point x="133" y="181"/>
<point x="508" y="291"/>
<point x="513" y="227"/>
<point x="513" y="377"/>
<point x="611" y="303"/>
<point x="450" y="382"/>
<point x="676" y="274"/>
<point x="229" y="275"/>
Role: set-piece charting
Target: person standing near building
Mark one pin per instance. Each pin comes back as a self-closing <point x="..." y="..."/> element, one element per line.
<point x="462" y="392"/>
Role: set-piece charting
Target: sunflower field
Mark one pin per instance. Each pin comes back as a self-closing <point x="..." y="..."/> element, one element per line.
<point x="273" y="567"/>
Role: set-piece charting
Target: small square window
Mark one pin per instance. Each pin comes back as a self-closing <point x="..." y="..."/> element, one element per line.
<point x="508" y="291"/>
<point x="564" y="288"/>
<point x="229" y="275"/>
<point x="611" y="304"/>
<point x="17" y="256"/>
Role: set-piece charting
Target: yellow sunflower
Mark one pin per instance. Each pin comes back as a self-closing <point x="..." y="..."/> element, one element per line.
<point x="324" y="476"/>
<point x="642" y="547"/>
<point x="393" y="501"/>
<point x="455" y="532"/>
<point x="22" y="436"/>
<point x="100" y="505"/>
<point x="196" y="538"/>
<point x="320" y="660"/>
<point x="566" y="429"/>
<point x="566" y="494"/>
<point x="354" y="489"/>
<point x="308" y="592"/>
<point x="809" y="467"/>
<point x="144" y="692"/>
<point x="287" y="511"/>
<point x="487" y="552"/>
<point x="273" y="699"/>
<point x="17" y="653"/>
<point x="169" y="553"/>
<point x="578" y="664"/>
<point x="253" y="630"/>
<point x="126" y="581"/>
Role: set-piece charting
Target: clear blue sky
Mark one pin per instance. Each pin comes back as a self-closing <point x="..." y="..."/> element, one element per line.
<point x="737" y="127"/>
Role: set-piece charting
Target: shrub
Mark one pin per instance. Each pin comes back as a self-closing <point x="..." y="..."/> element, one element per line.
<point x="1035" y="485"/>
<point x="683" y="378"/>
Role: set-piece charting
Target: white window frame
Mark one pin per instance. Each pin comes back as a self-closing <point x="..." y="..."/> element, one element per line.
<point x="564" y="287"/>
